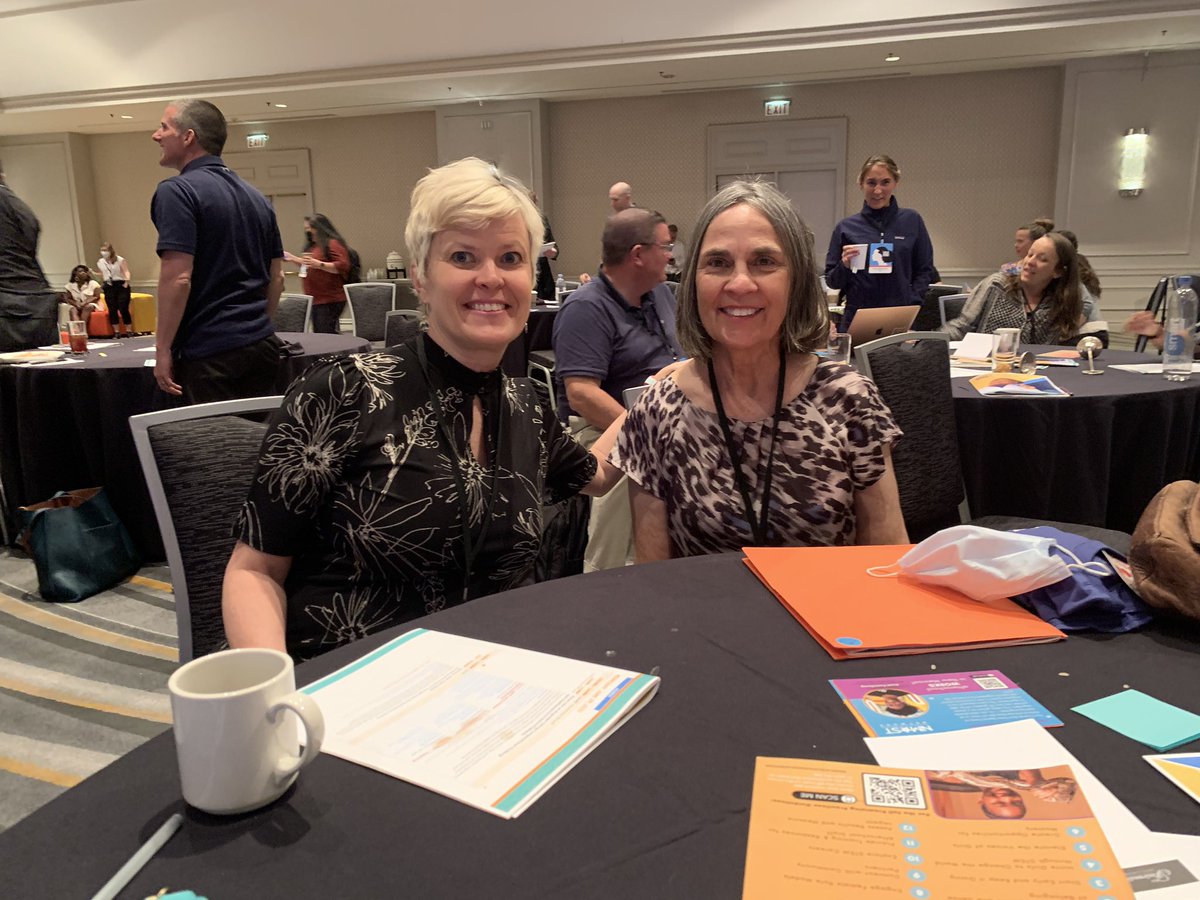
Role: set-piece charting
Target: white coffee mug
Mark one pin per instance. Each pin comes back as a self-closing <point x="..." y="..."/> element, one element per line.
<point x="237" y="748"/>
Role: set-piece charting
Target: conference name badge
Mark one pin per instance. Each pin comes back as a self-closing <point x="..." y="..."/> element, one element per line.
<point x="880" y="258"/>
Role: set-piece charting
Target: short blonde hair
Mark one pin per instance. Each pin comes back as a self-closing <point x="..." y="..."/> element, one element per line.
<point x="468" y="193"/>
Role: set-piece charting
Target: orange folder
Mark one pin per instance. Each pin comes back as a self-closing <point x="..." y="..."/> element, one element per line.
<point x="854" y="614"/>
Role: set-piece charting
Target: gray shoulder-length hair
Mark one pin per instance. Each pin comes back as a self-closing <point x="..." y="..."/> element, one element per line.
<point x="806" y="322"/>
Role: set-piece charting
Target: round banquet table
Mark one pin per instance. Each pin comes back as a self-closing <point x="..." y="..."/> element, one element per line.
<point x="1095" y="458"/>
<point x="67" y="426"/>
<point x="660" y="809"/>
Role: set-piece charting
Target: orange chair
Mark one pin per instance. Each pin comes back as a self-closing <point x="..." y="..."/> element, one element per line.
<point x="98" y="324"/>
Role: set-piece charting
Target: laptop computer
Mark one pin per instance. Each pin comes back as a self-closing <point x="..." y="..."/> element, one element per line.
<point x="881" y="321"/>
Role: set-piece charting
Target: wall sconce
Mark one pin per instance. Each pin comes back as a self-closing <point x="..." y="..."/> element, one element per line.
<point x="1132" y="177"/>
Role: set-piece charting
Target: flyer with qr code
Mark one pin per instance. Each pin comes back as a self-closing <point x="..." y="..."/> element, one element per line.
<point x="840" y="831"/>
<point x="925" y="704"/>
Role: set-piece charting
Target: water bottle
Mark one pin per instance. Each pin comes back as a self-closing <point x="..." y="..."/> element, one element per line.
<point x="560" y="288"/>
<point x="1180" y="330"/>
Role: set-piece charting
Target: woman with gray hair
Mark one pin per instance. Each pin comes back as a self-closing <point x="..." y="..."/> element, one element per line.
<point x="397" y="483"/>
<point x="754" y="441"/>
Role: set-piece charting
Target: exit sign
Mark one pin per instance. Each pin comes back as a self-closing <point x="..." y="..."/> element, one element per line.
<point x="777" y="108"/>
<point x="256" y="141"/>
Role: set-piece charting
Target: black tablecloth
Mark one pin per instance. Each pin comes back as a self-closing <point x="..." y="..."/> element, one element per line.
<point x="67" y="427"/>
<point x="541" y="327"/>
<point x="1096" y="457"/>
<point x="659" y="810"/>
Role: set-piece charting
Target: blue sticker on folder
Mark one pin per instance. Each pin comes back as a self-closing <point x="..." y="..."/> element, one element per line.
<point x="1146" y="719"/>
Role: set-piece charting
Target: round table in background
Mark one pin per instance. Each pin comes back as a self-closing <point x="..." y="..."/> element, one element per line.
<point x="67" y="426"/>
<point x="1096" y="458"/>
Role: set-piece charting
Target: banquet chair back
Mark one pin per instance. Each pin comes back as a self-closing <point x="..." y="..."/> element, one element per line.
<point x="369" y="303"/>
<point x="950" y="306"/>
<point x="540" y="370"/>
<point x="1156" y="304"/>
<point x="198" y="461"/>
<point x="294" y="313"/>
<point x="929" y="317"/>
<point x="912" y="373"/>
<point x="406" y="294"/>
<point x="401" y="324"/>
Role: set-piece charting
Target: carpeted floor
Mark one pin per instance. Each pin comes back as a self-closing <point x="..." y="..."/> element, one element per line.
<point x="80" y="683"/>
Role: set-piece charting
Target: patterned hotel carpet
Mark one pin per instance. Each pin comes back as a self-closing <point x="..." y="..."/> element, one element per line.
<point x="80" y="683"/>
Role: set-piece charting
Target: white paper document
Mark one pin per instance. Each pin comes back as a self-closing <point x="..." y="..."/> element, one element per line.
<point x="1026" y="744"/>
<point x="488" y="725"/>
<point x="1140" y="368"/>
<point x="974" y="346"/>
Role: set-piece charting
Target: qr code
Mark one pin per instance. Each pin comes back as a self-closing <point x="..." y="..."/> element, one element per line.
<point x="990" y="683"/>
<point x="893" y="790"/>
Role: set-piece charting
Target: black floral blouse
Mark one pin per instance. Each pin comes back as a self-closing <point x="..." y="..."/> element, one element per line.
<point x="354" y="482"/>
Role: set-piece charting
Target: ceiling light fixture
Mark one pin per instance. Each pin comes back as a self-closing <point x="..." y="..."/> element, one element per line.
<point x="891" y="57"/>
<point x="123" y="116"/>
<point x="279" y="105"/>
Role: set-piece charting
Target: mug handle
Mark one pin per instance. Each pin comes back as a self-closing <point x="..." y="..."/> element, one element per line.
<point x="314" y="732"/>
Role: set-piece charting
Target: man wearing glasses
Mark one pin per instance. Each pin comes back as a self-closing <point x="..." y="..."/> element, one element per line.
<point x="613" y="333"/>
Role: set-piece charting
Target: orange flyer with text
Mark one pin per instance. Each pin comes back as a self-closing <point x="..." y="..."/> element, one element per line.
<point x="839" y="831"/>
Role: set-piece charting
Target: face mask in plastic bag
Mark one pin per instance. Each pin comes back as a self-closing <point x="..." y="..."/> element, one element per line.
<point x="986" y="564"/>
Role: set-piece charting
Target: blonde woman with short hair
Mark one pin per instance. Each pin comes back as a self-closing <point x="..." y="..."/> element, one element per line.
<point x="398" y="483"/>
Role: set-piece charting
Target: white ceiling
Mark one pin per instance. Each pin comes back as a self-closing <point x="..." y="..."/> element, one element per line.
<point x="85" y="65"/>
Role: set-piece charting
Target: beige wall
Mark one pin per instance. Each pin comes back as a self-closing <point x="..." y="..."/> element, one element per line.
<point x="363" y="172"/>
<point x="977" y="152"/>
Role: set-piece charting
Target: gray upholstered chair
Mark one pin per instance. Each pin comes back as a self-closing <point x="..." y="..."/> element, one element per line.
<point x="406" y="294"/>
<point x="198" y="462"/>
<point x="912" y="372"/>
<point x="294" y="313"/>
<point x="400" y="325"/>
<point x="951" y="306"/>
<point x="369" y="303"/>
<point x="540" y="369"/>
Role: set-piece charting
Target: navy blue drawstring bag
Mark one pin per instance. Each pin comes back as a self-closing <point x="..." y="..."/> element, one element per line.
<point x="1084" y="601"/>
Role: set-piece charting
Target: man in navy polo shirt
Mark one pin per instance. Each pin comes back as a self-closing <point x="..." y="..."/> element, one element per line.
<point x="221" y="266"/>
<point x="612" y="334"/>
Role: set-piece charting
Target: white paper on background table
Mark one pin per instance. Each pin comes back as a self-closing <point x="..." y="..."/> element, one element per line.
<point x="974" y="346"/>
<point x="488" y="725"/>
<point x="1027" y="745"/>
<point x="1140" y="368"/>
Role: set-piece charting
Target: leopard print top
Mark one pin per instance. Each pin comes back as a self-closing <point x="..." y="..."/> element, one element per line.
<point x="831" y="441"/>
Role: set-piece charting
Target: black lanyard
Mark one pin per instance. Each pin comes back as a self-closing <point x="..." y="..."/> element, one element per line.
<point x="470" y="550"/>
<point x="757" y="526"/>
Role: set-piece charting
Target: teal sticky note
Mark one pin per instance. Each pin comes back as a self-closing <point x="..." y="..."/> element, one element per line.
<point x="1144" y="718"/>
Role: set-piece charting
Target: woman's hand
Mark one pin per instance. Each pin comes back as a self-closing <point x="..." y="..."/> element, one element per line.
<point x="1144" y="323"/>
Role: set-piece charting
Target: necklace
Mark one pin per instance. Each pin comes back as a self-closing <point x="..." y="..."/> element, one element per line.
<point x="758" y="525"/>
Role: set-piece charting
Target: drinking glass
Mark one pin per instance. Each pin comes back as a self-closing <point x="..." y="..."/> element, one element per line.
<point x="839" y="348"/>
<point x="1005" y="344"/>
<point x="77" y="336"/>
